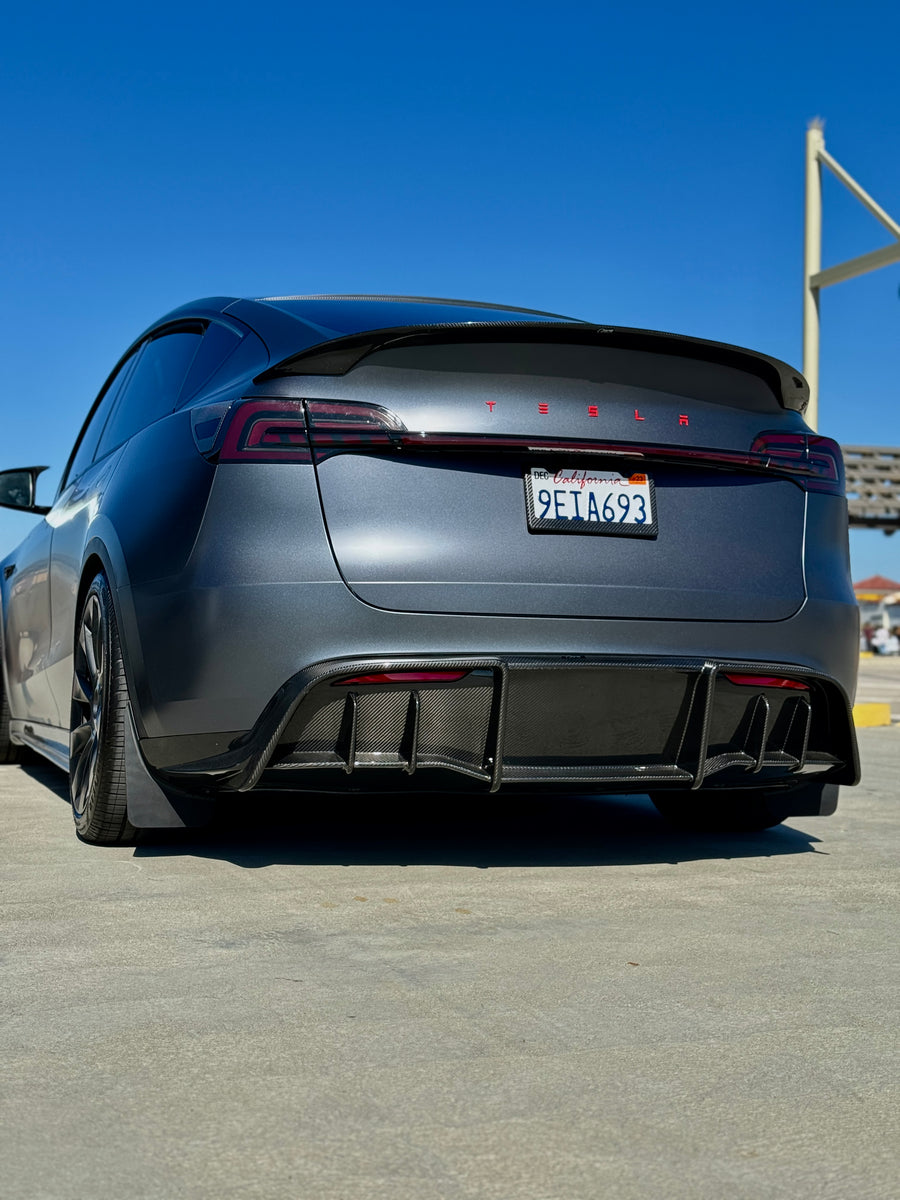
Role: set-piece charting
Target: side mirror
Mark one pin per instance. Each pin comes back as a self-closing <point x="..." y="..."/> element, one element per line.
<point x="17" y="489"/>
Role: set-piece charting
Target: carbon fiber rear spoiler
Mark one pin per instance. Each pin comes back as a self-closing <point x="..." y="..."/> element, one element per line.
<point x="340" y="355"/>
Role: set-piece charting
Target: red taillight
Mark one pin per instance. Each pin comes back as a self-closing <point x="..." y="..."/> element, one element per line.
<point x="816" y="461"/>
<point x="333" y="423"/>
<point x="813" y="462"/>
<point x="404" y="677"/>
<point x="276" y="431"/>
<point x="266" y="431"/>
<point x="769" y="681"/>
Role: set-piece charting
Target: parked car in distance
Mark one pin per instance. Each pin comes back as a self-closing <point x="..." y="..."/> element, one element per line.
<point x="351" y="542"/>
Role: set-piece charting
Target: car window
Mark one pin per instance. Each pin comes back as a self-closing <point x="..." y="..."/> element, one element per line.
<point x="218" y="343"/>
<point x="86" y="445"/>
<point x="153" y="388"/>
<point x="248" y="358"/>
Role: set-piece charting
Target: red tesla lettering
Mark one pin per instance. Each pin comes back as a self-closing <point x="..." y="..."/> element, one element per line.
<point x="593" y="410"/>
<point x="638" y="417"/>
<point x="490" y="404"/>
<point x="543" y="409"/>
<point x="682" y="419"/>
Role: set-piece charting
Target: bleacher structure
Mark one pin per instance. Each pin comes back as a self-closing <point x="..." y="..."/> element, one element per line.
<point x="873" y="486"/>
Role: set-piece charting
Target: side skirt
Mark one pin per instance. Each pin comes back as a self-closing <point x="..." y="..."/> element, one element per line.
<point x="46" y="740"/>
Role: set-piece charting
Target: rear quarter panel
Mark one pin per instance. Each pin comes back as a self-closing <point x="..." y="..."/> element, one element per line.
<point x="138" y="512"/>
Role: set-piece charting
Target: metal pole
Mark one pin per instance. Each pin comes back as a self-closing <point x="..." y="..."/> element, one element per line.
<point x="812" y="264"/>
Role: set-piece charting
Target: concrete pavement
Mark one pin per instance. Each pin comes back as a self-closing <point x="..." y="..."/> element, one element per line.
<point x="879" y="681"/>
<point x="555" y="1000"/>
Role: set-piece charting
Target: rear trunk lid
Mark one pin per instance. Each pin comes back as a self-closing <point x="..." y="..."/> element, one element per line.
<point x="438" y="519"/>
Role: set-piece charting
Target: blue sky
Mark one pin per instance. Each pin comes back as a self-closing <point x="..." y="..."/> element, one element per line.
<point x="633" y="165"/>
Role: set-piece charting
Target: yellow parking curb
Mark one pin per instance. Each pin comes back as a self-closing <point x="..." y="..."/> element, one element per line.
<point x="867" y="654"/>
<point x="865" y="715"/>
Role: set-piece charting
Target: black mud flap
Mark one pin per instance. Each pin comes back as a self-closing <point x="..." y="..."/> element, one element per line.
<point x="151" y="805"/>
<point x="811" y="800"/>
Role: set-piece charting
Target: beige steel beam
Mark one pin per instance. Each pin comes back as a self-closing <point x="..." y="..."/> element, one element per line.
<point x="812" y="264"/>
<point x="857" y="266"/>
<point x="814" y="278"/>
<point x="860" y="193"/>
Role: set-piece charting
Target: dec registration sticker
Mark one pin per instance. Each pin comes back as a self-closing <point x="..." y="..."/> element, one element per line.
<point x="583" y="500"/>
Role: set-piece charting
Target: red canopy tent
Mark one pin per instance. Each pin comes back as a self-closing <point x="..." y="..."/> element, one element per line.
<point x="875" y="587"/>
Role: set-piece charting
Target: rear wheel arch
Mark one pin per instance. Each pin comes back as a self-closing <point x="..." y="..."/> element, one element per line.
<point x="100" y="559"/>
<point x="94" y="565"/>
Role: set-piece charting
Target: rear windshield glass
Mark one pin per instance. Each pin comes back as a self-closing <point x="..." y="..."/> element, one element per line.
<point x="639" y="369"/>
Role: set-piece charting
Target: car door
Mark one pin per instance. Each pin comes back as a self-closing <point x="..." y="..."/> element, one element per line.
<point x="26" y="630"/>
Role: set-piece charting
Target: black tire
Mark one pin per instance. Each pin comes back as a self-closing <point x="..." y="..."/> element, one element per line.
<point x="733" y="810"/>
<point x="97" y="728"/>
<point x="9" y="751"/>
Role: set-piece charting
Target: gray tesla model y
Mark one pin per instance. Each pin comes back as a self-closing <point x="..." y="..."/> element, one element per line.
<point x="368" y="542"/>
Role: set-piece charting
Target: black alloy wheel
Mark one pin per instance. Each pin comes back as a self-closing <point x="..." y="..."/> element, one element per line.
<point x="97" y="730"/>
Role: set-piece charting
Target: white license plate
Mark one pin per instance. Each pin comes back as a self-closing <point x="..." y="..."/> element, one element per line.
<point x="584" y="500"/>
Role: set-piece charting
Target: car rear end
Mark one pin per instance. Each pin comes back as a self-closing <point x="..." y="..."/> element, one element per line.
<point x="561" y="556"/>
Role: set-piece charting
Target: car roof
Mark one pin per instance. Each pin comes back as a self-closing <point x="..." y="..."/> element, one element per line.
<point x="288" y="324"/>
<point x="356" y="314"/>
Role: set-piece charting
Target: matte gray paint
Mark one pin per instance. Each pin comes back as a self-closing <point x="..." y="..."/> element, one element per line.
<point x="219" y="654"/>
<point x="226" y="592"/>
<point x="444" y="535"/>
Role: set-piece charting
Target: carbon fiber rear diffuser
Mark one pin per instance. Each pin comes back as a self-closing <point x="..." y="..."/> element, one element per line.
<point x="612" y="722"/>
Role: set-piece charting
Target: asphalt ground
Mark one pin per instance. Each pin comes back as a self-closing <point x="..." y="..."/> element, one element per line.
<point x="551" y="1000"/>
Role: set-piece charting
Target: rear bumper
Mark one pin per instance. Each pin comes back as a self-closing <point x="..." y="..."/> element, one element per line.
<point x="612" y="722"/>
